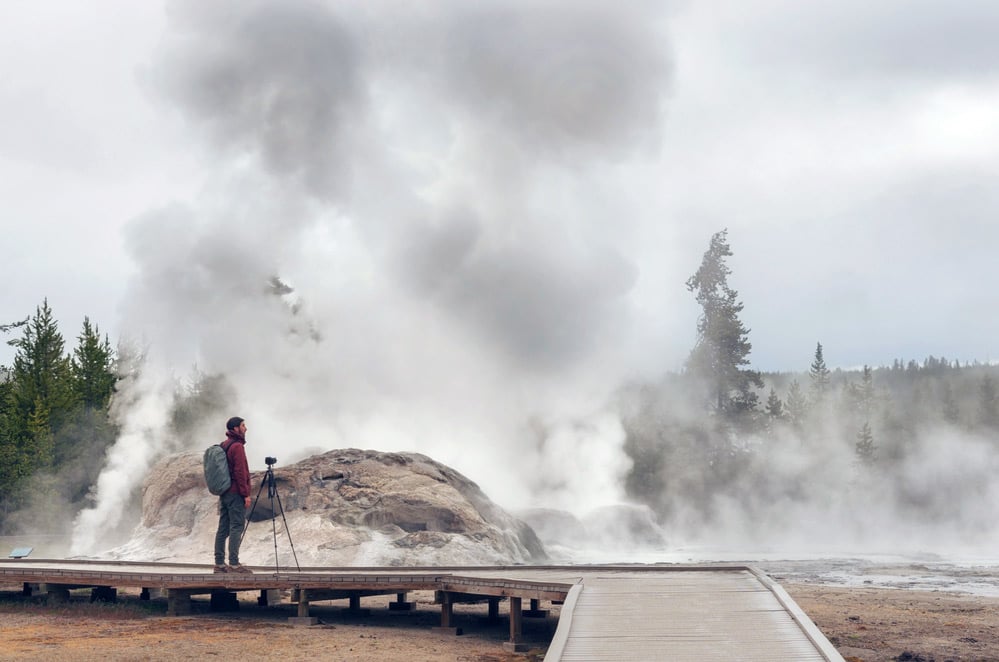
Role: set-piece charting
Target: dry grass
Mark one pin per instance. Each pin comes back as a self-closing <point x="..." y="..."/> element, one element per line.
<point x="80" y="606"/>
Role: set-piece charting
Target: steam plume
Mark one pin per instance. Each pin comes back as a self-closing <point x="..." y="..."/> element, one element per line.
<point x="423" y="178"/>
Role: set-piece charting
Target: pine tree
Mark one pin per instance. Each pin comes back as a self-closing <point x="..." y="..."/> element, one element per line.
<point x="862" y="394"/>
<point x="42" y="441"/>
<point x="93" y="368"/>
<point x="865" y="448"/>
<point x="818" y="373"/>
<point x="723" y="346"/>
<point x="41" y="394"/>
<point x="11" y="459"/>
<point x="797" y="405"/>
<point x="774" y="408"/>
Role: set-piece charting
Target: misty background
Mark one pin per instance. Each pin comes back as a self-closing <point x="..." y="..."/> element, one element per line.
<point x="465" y="230"/>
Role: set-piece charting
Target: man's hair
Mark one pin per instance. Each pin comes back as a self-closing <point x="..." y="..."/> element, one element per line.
<point x="233" y="423"/>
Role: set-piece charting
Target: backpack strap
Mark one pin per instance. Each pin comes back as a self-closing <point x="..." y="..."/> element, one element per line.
<point x="226" y="445"/>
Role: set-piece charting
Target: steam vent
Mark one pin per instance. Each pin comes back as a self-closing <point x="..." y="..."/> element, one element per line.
<point x="343" y="508"/>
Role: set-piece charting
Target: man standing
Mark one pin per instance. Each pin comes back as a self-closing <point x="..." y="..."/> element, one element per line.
<point x="236" y="501"/>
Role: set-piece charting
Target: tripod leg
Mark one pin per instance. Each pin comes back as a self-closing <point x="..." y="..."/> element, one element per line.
<point x="286" y="530"/>
<point x="277" y="567"/>
<point x="246" y="524"/>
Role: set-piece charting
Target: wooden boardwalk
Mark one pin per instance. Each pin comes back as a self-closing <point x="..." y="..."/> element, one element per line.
<point x="634" y="613"/>
<point x="696" y="615"/>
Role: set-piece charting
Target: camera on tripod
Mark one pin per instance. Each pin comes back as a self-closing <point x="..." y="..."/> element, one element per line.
<point x="270" y="482"/>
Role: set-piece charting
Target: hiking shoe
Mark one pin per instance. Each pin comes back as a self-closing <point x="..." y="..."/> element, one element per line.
<point x="239" y="569"/>
<point x="220" y="569"/>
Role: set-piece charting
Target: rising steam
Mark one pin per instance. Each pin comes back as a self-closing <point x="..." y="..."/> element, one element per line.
<point x="423" y="179"/>
<point x="415" y="234"/>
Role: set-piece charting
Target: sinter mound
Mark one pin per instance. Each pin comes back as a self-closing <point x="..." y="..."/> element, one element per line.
<point x="343" y="508"/>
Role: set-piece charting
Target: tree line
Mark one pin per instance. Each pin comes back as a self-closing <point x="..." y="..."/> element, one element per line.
<point x="718" y="428"/>
<point x="55" y="422"/>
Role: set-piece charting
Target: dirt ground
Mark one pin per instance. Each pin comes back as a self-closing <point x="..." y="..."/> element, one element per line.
<point x="878" y="625"/>
<point x="134" y="629"/>
<point x="865" y="624"/>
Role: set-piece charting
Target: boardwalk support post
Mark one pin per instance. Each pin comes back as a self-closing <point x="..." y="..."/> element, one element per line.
<point x="354" y="605"/>
<point x="447" y="614"/>
<point x="223" y="600"/>
<point x="535" y="611"/>
<point x="400" y="603"/>
<point x="303" y="603"/>
<point x="56" y="594"/>
<point x="303" y="617"/>
<point x="268" y="596"/>
<point x="178" y="602"/>
<point x="515" y="645"/>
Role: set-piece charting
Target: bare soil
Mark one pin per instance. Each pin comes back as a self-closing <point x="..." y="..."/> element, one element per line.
<point x="881" y="625"/>
<point x="134" y="629"/>
<point x="865" y="624"/>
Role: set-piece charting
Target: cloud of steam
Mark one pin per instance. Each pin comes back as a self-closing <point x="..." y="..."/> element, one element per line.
<point x="140" y="443"/>
<point x="802" y="489"/>
<point x="935" y="501"/>
<point x="424" y="179"/>
<point x="281" y="82"/>
<point x="448" y="189"/>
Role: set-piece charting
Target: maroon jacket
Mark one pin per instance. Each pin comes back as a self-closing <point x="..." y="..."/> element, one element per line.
<point x="238" y="469"/>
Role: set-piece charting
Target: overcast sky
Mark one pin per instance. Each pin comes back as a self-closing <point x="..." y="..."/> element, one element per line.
<point x="544" y="175"/>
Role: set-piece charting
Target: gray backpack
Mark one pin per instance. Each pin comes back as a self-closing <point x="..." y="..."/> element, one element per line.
<point x="217" y="469"/>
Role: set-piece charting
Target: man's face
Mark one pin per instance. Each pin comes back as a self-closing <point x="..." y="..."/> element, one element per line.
<point x="242" y="428"/>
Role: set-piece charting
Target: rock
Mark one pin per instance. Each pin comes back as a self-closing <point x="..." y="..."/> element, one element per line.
<point x="343" y="508"/>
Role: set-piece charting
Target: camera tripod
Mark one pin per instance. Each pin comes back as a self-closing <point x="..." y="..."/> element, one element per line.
<point x="272" y="494"/>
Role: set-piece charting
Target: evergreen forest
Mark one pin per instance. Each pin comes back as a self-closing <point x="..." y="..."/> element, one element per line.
<point x="55" y="421"/>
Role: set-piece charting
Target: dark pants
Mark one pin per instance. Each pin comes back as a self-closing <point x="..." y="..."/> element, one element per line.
<point x="232" y="518"/>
